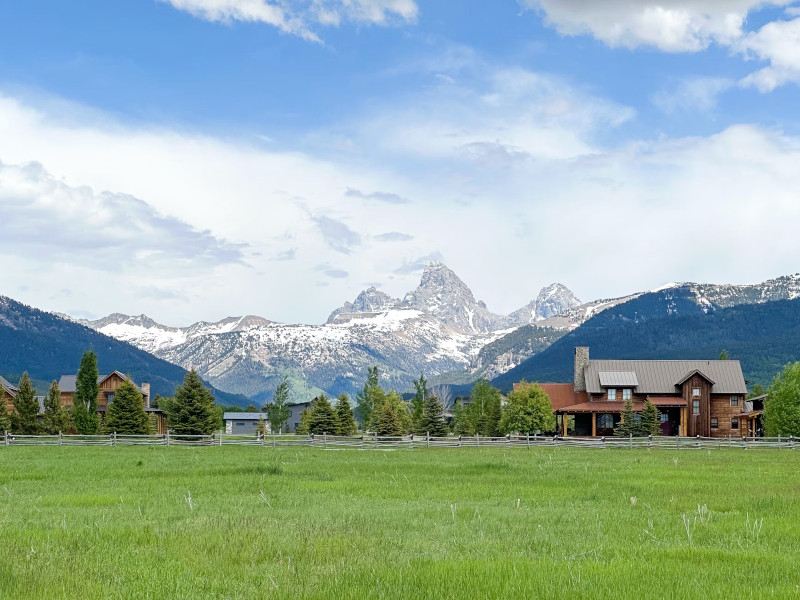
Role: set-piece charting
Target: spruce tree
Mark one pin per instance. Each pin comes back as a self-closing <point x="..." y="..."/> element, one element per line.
<point x="651" y="419"/>
<point x="418" y="404"/>
<point x="386" y="420"/>
<point x="5" y="420"/>
<point x="628" y="425"/>
<point x="56" y="417"/>
<point x="84" y="409"/>
<point x="193" y="412"/>
<point x="126" y="414"/>
<point x="370" y="396"/>
<point x="432" y="420"/>
<point x="323" y="417"/>
<point x="26" y="418"/>
<point x="304" y="426"/>
<point x="278" y="410"/>
<point x="345" y="421"/>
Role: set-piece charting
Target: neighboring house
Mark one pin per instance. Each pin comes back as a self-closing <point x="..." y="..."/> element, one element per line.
<point x="108" y="385"/>
<point x="695" y="397"/>
<point x="294" y="416"/>
<point x="7" y="394"/>
<point x="245" y="423"/>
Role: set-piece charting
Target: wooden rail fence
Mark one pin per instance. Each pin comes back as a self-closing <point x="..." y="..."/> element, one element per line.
<point x="407" y="442"/>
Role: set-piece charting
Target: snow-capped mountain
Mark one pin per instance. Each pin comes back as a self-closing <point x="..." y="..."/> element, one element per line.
<point x="370" y="300"/>
<point x="553" y="300"/>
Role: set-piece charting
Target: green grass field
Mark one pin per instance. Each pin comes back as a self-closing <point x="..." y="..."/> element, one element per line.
<point x="239" y="522"/>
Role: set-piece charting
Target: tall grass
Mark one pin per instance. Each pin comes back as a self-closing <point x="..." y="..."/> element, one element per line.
<point x="239" y="522"/>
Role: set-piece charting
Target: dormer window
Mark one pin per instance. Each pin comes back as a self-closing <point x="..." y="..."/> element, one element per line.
<point x="626" y="394"/>
<point x="612" y="394"/>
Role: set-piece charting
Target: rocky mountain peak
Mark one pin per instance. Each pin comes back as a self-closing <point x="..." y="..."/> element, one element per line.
<point x="552" y="300"/>
<point x="371" y="300"/>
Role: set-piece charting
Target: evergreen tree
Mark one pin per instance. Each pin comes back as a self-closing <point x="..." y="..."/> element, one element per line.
<point x="370" y="396"/>
<point x="758" y="390"/>
<point x="529" y="410"/>
<point x="126" y="414"/>
<point x="418" y="403"/>
<point x="345" y="420"/>
<point x="724" y="355"/>
<point x="304" y="426"/>
<point x="492" y="413"/>
<point x="84" y="411"/>
<point x="193" y="411"/>
<point x="432" y="420"/>
<point x="651" y="419"/>
<point x="628" y="425"/>
<point x="782" y="405"/>
<point x="386" y="420"/>
<point x="459" y="424"/>
<point x="56" y="418"/>
<point x="323" y="417"/>
<point x="278" y="410"/>
<point x="25" y="420"/>
<point x="5" y="420"/>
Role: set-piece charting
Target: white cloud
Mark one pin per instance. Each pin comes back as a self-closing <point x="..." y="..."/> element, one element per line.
<point x="778" y="43"/>
<point x="693" y="94"/>
<point x="687" y="26"/>
<point x="299" y="17"/>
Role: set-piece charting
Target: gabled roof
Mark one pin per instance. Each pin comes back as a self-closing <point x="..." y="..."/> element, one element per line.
<point x="691" y="374"/>
<point x="243" y="416"/>
<point x="662" y="377"/>
<point x="6" y="385"/>
<point x="68" y="383"/>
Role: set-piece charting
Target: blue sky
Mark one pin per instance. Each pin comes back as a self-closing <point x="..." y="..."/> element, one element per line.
<point x="297" y="151"/>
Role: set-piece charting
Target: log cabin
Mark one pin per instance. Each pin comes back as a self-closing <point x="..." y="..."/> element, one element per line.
<point x="695" y="397"/>
<point x="7" y="394"/>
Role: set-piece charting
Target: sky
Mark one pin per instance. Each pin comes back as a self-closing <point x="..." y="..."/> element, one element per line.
<point x="198" y="159"/>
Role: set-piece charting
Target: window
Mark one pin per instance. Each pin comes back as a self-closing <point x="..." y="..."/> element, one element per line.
<point x="626" y="394"/>
<point x="240" y="424"/>
<point x="735" y="423"/>
<point x="695" y="392"/>
<point x="714" y="423"/>
<point x="110" y="398"/>
<point x="734" y="400"/>
<point x="664" y="417"/>
<point x="695" y="407"/>
<point x="605" y="421"/>
<point x="612" y="394"/>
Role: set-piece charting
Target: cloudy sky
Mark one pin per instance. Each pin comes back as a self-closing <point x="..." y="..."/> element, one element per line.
<point x="195" y="159"/>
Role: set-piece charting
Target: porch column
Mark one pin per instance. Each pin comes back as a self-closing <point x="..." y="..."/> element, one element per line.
<point x="564" y="424"/>
<point x="682" y="429"/>
<point x="594" y="424"/>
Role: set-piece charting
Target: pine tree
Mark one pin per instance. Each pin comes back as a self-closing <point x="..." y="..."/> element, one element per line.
<point x="5" y="420"/>
<point x="724" y="355"/>
<point x="194" y="411"/>
<point x="345" y="420"/>
<point x="628" y="425"/>
<point x="304" y="426"/>
<point x="126" y="414"/>
<point x="432" y="420"/>
<point x="418" y="403"/>
<point x="278" y="410"/>
<point x="56" y="418"/>
<point x="651" y="419"/>
<point x="386" y="420"/>
<point x="84" y="409"/>
<point x="26" y="418"/>
<point x="323" y="417"/>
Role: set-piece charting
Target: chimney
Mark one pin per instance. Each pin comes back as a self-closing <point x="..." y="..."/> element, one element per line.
<point x="145" y="387"/>
<point x="581" y="362"/>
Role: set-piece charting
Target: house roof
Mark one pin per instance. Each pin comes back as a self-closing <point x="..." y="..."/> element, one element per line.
<point x="68" y="383"/>
<point x="602" y="406"/>
<point x="243" y="416"/>
<point x="562" y="394"/>
<point x="6" y="385"/>
<point x="664" y="376"/>
<point x="618" y="379"/>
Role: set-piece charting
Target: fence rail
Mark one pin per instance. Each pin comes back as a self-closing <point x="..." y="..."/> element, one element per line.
<point x="408" y="442"/>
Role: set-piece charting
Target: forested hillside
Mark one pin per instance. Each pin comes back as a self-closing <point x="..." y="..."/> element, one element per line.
<point x="763" y="336"/>
<point x="48" y="346"/>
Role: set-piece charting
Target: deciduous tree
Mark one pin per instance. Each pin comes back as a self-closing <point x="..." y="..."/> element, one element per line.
<point x="782" y="404"/>
<point x="529" y="410"/>
<point x="418" y="403"/>
<point x="84" y="410"/>
<point x="278" y="410"/>
<point x="370" y="396"/>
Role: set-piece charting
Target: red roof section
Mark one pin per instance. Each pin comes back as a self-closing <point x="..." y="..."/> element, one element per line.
<point x="561" y="394"/>
<point x="604" y="406"/>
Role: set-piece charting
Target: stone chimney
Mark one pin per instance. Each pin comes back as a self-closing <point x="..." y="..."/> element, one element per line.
<point x="581" y="362"/>
<point x="145" y="387"/>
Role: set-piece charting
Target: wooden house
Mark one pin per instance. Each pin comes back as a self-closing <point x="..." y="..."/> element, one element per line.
<point x="695" y="397"/>
<point x="7" y="394"/>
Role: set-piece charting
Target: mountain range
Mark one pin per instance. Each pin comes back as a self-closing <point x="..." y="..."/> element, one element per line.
<point x="439" y="329"/>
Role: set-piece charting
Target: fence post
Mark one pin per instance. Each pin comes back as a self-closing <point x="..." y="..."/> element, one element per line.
<point x="603" y="439"/>
<point x="697" y="443"/>
<point x="167" y="438"/>
<point x="375" y="439"/>
<point x="459" y="441"/>
<point x="528" y="439"/>
<point x="428" y="439"/>
<point x="744" y="443"/>
<point x="508" y="439"/>
<point x="113" y="438"/>
<point x="477" y="440"/>
<point x="5" y="438"/>
<point x="791" y="442"/>
<point x="729" y="440"/>
<point x="362" y="440"/>
<point x="325" y="440"/>
<point x="59" y="437"/>
<point x="273" y="439"/>
<point x="630" y="441"/>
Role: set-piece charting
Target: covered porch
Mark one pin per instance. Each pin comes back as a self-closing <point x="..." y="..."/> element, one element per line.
<point x="598" y="418"/>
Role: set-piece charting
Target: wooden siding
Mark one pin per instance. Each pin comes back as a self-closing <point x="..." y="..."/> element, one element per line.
<point x="721" y="409"/>
<point x="698" y="424"/>
<point x="8" y="402"/>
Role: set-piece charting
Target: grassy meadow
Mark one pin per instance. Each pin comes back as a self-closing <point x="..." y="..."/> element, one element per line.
<point x="248" y="522"/>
